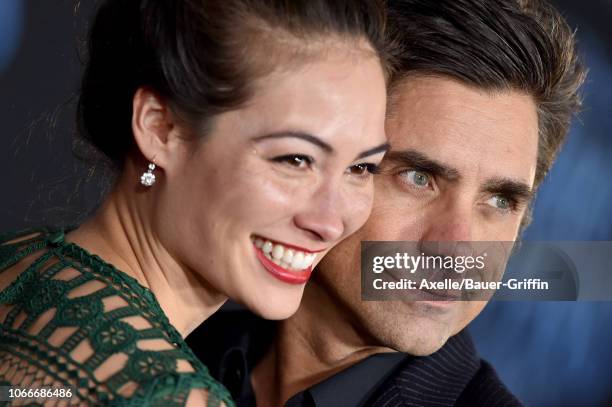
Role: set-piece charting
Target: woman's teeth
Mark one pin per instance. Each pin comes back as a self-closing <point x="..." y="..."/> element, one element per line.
<point x="283" y="256"/>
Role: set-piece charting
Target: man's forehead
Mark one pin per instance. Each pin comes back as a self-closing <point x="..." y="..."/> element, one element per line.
<point x="474" y="132"/>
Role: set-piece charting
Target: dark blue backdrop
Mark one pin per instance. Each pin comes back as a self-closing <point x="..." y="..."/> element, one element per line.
<point x="550" y="354"/>
<point x="553" y="353"/>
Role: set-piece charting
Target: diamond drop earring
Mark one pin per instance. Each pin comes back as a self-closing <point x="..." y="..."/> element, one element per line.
<point x="148" y="178"/>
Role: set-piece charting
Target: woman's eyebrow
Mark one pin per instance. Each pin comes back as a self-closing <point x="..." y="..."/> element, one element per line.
<point x="383" y="148"/>
<point x="301" y="135"/>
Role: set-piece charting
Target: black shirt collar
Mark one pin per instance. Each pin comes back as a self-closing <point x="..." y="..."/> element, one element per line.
<point x="353" y="386"/>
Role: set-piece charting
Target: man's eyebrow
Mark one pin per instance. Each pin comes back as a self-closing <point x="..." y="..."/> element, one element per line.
<point x="512" y="188"/>
<point x="298" y="134"/>
<point x="421" y="162"/>
<point x="383" y="148"/>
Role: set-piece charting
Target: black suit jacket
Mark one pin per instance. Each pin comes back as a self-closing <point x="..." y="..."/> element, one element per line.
<point x="231" y="343"/>
<point x="452" y="376"/>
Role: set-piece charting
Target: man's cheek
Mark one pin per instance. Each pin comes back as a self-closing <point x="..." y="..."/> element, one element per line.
<point x="511" y="230"/>
<point x="502" y="228"/>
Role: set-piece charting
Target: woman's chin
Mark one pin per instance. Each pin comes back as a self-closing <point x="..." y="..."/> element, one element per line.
<point x="276" y="307"/>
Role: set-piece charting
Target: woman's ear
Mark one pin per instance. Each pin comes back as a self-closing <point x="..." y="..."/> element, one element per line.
<point x="153" y="126"/>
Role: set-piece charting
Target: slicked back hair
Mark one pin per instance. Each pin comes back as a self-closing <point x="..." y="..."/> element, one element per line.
<point x="500" y="45"/>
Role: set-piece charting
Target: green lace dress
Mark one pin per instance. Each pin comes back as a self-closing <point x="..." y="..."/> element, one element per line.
<point x="69" y="319"/>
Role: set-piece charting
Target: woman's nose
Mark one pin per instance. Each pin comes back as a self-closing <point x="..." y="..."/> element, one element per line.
<point x="322" y="216"/>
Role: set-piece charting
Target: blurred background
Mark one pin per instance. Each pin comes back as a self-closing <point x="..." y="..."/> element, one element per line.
<point x="548" y="353"/>
<point x="560" y="353"/>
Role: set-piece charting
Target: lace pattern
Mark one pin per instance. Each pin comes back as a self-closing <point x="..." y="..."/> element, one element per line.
<point x="70" y="319"/>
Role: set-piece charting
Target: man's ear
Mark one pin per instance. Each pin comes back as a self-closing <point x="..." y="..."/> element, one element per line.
<point x="153" y="126"/>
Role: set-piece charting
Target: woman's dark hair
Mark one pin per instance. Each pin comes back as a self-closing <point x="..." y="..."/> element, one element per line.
<point x="202" y="56"/>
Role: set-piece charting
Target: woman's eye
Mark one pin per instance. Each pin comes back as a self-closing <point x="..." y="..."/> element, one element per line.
<point x="295" y="160"/>
<point x="500" y="202"/>
<point x="419" y="179"/>
<point x="362" y="170"/>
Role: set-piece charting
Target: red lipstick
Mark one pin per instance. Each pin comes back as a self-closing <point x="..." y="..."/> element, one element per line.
<point x="287" y="276"/>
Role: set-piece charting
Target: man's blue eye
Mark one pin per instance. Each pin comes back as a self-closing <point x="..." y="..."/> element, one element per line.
<point x="418" y="178"/>
<point x="500" y="202"/>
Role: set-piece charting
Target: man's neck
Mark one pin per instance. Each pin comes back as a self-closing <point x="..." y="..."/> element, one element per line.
<point x="121" y="234"/>
<point x="311" y="346"/>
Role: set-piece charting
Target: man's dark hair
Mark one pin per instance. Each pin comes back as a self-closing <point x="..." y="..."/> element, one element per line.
<point x="500" y="45"/>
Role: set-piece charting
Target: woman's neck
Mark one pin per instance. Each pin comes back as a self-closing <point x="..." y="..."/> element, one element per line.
<point x="121" y="234"/>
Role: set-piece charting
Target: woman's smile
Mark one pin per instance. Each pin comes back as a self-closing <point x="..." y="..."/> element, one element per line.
<point x="288" y="263"/>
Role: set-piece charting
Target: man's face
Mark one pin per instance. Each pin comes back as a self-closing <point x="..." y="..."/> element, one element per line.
<point x="461" y="168"/>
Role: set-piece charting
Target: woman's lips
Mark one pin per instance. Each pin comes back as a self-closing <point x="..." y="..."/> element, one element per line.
<point x="281" y="273"/>
<point x="290" y="264"/>
<point x="259" y="241"/>
<point x="286" y="256"/>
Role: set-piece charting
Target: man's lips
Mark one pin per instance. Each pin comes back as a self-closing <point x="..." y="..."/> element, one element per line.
<point x="281" y="273"/>
<point x="427" y="294"/>
<point x="443" y="295"/>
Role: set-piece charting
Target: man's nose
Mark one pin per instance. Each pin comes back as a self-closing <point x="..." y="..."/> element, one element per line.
<point x="322" y="215"/>
<point x="451" y="222"/>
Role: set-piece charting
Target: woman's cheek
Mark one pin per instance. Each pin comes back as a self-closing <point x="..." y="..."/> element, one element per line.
<point x="273" y="198"/>
<point x="358" y="209"/>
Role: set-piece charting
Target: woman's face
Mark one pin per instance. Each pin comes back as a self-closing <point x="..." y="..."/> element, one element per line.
<point x="255" y="204"/>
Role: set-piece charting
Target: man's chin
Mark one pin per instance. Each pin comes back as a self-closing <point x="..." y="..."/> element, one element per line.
<point x="424" y="327"/>
<point x="424" y="341"/>
<point x="415" y="328"/>
<point x="425" y="347"/>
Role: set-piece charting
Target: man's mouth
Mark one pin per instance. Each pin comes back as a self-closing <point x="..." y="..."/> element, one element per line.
<point x="433" y="294"/>
<point x="288" y="263"/>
